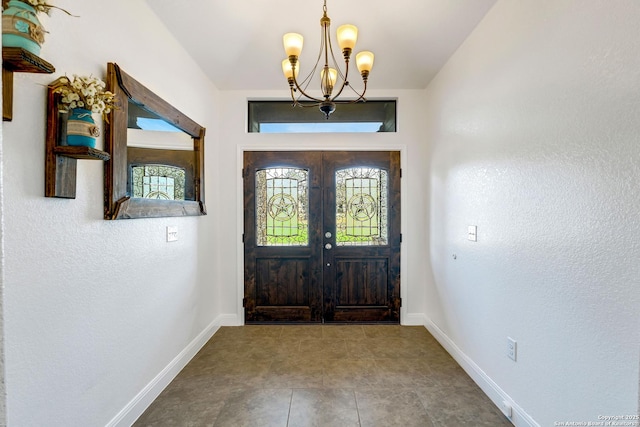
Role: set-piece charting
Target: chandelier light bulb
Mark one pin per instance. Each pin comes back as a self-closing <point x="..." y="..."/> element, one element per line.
<point x="364" y="61"/>
<point x="292" y="44"/>
<point x="328" y="80"/>
<point x="288" y="70"/>
<point x="347" y="36"/>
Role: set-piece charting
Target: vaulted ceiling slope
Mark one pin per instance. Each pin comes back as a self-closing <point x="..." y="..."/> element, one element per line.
<point x="239" y="43"/>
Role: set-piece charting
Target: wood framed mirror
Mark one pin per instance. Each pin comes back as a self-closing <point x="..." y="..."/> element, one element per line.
<point x="157" y="155"/>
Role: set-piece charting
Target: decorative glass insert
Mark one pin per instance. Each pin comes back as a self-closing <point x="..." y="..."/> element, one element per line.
<point x="158" y="182"/>
<point x="361" y="207"/>
<point x="282" y="200"/>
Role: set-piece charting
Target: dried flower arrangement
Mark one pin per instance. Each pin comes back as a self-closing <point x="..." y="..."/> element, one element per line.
<point x="44" y="7"/>
<point x="84" y="92"/>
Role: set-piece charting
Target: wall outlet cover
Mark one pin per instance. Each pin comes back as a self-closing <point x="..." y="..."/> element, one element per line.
<point x="506" y="409"/>
<point x="172" y="234"/>
<point x="512" y="349"/>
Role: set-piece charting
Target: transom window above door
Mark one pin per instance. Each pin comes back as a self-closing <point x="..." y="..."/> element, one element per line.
<point x="282" y="117"/>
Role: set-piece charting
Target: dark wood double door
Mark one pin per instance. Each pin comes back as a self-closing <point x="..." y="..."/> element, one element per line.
<point x="322" y="236"/>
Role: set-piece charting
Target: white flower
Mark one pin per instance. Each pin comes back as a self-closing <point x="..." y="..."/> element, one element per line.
<point x="85" y="92"/>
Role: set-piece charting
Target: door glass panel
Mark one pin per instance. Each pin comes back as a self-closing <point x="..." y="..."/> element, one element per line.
<point x="361" y="207"/>
<point x="282" y="199"/>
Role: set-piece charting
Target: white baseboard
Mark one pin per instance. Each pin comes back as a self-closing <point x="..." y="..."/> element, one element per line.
<point x="229" y="320"/>
<point x="519" y="417"/>
<point x="413" y="319"/>
<point x="130" y="413"/>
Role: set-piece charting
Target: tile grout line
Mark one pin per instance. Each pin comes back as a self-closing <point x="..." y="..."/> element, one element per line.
<point x="355" y="398"/>
<point x="290" y="404"/>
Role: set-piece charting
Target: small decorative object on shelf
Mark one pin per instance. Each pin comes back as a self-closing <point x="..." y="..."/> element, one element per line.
<point x="61" y="157"/>
<point x="81" y="128"/>
<point x="81" y="97"/>
<point x="21" y="26"/>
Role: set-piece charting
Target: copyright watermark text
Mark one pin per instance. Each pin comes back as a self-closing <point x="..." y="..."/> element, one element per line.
<point x="604" y="421"/>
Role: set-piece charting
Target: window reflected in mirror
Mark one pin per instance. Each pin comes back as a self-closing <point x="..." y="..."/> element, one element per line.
<point x="165" y="172"/>
<point x="158" y="182"/>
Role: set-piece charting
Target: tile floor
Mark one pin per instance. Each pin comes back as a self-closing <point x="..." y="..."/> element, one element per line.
<point x="322" y="376"/>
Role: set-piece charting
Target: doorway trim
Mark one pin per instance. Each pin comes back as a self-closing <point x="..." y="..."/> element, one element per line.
<point x="240" y="211"/>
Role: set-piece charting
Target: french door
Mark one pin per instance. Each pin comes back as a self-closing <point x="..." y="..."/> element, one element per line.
<point x="322" y="236"/>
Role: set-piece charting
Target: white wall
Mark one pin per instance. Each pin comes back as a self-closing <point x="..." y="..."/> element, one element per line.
<point x="533" y="126"/>
<point x="94" y="309"/>
<point x="414" y="201"/>
<point x="3" y="394"/>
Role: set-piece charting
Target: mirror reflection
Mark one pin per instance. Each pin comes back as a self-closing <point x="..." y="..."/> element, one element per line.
<point x="157" y="155"/>
<point x="160" y="157"/>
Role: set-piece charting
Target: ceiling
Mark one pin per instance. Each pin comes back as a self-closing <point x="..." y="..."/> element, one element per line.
<point x="238" y="43"/>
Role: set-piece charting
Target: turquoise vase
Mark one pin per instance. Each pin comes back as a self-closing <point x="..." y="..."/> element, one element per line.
<point x="21" y="27"/>
<point x="81" y="129"/>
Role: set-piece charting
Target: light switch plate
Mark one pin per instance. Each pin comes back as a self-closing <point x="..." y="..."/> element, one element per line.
<point x="172" y="234"/>
<point x="472" y="233"/>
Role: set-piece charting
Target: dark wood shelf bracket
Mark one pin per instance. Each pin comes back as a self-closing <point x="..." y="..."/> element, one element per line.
<point x="18" y="60"/>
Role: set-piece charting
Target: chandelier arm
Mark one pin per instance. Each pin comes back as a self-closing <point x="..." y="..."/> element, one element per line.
<point x="307" y="79"/>
<point x="335" y="62"/>
<point x="326" y="41"/>
<point x="345" y="77"/>
<point x="358" y="99"/>
<point x="307" y="105"/>
<point x="305" y="83"/>
<point x="293" y="96"/>
<point x="345" y="82"/>
<point x="361" y="95"/>
<point x="295" y="82"/>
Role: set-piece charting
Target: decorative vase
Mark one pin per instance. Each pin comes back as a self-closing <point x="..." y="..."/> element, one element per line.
<point x="81" y="129"/>
<point x="21" y="27"/>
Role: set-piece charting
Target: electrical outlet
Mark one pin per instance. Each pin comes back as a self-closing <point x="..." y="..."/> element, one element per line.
<point x="172" y="234"/>
<point x="512" y="349"/>
<point x="506" y="409"/>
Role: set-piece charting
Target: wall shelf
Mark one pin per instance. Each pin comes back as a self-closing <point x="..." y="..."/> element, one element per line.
<point x="86" y="153"/>
<point x="60" y="159"/>
<point x="18" y="60"/>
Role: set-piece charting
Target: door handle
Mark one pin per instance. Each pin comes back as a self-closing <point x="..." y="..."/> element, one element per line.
<point x="328" y="246"/>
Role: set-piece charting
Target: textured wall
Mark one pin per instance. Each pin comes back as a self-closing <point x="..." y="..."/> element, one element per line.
<point x="95" y="309"/>
<point x="533" y="126"/>
<point x="3" y="396"/>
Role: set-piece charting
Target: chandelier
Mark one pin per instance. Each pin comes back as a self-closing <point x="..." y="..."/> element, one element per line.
<point x="347" y="36"/>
